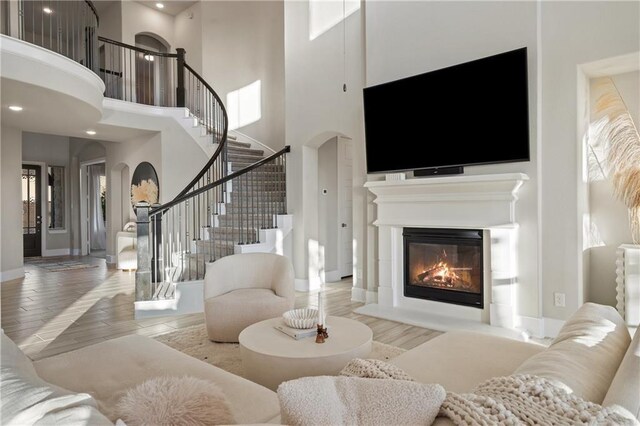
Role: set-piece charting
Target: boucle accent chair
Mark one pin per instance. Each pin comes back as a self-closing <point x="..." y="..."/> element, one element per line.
<point x="242" y="289"/>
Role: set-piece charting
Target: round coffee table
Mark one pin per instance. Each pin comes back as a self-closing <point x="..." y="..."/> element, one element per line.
<point x="270" y="357"/>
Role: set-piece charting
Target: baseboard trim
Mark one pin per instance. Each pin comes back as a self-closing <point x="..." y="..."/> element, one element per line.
<point x="332" y="276"/>
<point x="302" y="284"/>
<point x="11" y="274"/>
<point x="111" y="259"/>
<point x="75" y="252"/>
<point x="539" y="327"/>
<point x="358" y="294"/>
<point x="371" y="297"/>
<point x="56" y="252"/>
<point x="552" y="326"/>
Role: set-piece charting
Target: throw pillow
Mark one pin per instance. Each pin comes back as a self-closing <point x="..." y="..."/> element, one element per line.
<point x="175" y="401"/>
<point x="586" y="354"/>
<point x="374" y="369"/>
<point x="328" y="400"/>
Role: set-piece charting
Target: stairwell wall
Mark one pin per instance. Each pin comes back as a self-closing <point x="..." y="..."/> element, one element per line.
<point x="317" y="109"/>
<point x="243" y="43"/>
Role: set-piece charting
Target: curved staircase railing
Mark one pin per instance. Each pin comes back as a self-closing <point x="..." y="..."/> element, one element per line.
<point x="229" y="203"/>
<point x="177" y="239"/>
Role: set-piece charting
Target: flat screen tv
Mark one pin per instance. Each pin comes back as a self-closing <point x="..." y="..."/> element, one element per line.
<point x="473" y="113"/>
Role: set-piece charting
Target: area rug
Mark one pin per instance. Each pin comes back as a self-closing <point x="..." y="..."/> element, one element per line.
<point x="194" y="341"/>
<point x="58" y="265"/>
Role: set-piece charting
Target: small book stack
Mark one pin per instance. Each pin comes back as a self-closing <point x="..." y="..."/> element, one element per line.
<point x="296" y="333"/>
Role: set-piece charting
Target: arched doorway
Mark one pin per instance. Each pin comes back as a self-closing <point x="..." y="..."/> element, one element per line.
<point x="153" y="72"/>
<point x="335" y="209"/>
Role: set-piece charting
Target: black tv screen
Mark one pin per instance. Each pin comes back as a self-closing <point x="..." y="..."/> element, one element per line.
<point x="472" y="113"/>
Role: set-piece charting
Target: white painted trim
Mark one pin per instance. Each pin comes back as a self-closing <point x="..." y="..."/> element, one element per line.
<point x="358" y="294"/>
<point x="57" y="231"/>
<point x="302" y="284"/>
<point x="11" y="274"/>
<point x="75" y="252"/>
<point x="111" y="259"/>
<point x="252" y="141"/>
<point x="56" y="252"/>
<point x="539" y="327"/>
<point x="332" y="276"/>
<point x="85" y="242"/>
<point x="552" y="326"/>
<point x="371" y="296"/>
<point x="49" y="58"/>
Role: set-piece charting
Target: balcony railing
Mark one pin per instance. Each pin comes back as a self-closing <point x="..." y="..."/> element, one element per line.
<point x="65" y="27"/>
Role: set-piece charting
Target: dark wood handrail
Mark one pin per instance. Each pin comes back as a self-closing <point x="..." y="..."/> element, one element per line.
<point x="95" y="12"/>
<point x="182" y="198"/>
<point x="223" y="142"/>
<point x="138" y="49"/>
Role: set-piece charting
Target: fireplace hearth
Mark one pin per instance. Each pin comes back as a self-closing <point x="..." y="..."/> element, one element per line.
<point x="444" y="265"/>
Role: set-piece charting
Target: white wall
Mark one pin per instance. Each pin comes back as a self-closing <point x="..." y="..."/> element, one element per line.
<point x="243" y="42"/>
<point x="572" y="33"/>
<point x="137" y="18"/>
<point x="11" y="260"/>
<point x="609" y="215"/>
<point x="316" y="110"/>
<point x="111" y="21"/>
<point x="53" y="151"/>
<point x="328" y="203"/>
<point x="188" y="35"/>
<point x="408" y="38"/>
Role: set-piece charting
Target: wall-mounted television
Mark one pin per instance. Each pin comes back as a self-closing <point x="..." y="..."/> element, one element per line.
<point x="434" y="123"/>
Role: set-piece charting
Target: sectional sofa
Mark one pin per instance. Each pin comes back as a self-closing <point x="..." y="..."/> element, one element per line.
<point x="593" y="355"/>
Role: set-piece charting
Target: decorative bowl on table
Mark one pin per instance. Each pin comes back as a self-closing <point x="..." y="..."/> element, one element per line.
<point x="301" y="318"/>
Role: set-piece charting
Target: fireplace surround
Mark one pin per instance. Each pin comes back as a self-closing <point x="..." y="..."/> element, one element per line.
<point x="483" y="203"/>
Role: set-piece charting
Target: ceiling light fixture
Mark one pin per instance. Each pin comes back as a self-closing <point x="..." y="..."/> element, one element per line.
<point x="148" y="58"/>
<point x="91" y="132"/>
<point x="47" y="10"/>
<point x="15" y="108"/>
<point x="160" y="5"/>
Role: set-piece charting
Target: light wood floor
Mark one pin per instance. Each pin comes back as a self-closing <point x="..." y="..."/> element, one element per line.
<point x="47" y="313"/>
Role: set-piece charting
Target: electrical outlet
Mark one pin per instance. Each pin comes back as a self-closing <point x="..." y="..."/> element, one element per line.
<point x="558" y="300"/>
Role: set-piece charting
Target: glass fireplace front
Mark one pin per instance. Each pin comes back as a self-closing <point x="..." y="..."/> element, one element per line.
<point x="444" y="265"/>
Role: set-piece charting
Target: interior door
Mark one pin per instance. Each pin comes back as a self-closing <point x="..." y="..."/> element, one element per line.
<point x="31" y="211"/>
<point x="345" y="207"/>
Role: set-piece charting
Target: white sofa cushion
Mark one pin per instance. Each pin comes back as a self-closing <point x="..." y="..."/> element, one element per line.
<point x="461" y="360"/>
<point x="26" y="399"/>
<point x="625" y="387"/>
<point x="586" y="354"/>
<point x="107" y="370"/>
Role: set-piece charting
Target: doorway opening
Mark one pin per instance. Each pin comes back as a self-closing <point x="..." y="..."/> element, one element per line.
<point x="31" y="210"/>
<point x="94" y="208"/>
<point x="153" y="72"/>
<point x="335" y="207"/>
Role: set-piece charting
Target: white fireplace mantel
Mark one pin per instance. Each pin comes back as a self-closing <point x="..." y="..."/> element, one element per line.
<point x="461" y="201"/>
<point x="484" y="202"/>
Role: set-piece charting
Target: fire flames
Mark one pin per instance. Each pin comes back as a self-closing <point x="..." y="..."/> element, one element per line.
<point x="441" y="274"/>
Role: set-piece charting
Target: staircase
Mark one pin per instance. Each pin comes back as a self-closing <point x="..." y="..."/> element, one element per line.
<point x="236" y="203"/>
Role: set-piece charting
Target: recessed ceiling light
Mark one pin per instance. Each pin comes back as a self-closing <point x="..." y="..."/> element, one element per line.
<point x="160" y="5"/>
<point x="15" y="108"/>
<point x="91" y="132"/>
<point x="47" y="10"/>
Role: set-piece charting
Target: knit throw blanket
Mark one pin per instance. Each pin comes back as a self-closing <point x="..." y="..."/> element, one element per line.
<point x="525" y="400"/>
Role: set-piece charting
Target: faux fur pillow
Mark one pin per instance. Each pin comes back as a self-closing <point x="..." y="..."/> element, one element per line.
<point x="180" y="401"/>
